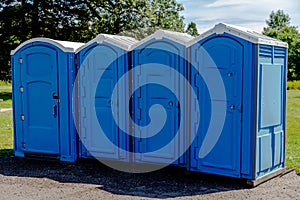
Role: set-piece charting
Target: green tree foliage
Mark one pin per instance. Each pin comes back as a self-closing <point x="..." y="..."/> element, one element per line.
<point x="278" y="26"/>
<point x="115" y="16"/>
<point x="278" y="20"/>
<point x="192" y="29"/>
<point x="22" y="20"/>
<point x="165" y="14"/>
<point x="80" y="20"/>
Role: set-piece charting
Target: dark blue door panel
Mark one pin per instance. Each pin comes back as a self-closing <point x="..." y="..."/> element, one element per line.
<point x="222" y="56"/>
<point x="40" y="108"/>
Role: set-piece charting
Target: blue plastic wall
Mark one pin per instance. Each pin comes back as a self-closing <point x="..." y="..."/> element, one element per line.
<point x="271" y="101"/>
<point x="47" y="129"/>
<point x="152" y="54"/>
<point x="113" y="62"/>
<point x="225" y="55"/>
<point x="252" y="141"/>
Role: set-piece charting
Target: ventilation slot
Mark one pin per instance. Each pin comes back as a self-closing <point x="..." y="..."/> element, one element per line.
<point x="41" y="156"/>
<point x="279" y="52"/>
<point x="265" y="51"/>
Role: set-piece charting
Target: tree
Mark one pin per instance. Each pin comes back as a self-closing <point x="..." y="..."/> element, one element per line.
<point x="278" y="26"/>
<point x="114" y="17"/>
<point x="80" y="20"/>
<point x="165" y="14"/>
<point x="8" y="37"/>
<point x="192" y="29"/>
<point x="21" y="20"/>
<point x="278" y="20"/>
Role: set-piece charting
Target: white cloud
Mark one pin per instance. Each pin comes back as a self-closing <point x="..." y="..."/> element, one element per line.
<point x="223" y="3"/>
<point x="249" y="13"/>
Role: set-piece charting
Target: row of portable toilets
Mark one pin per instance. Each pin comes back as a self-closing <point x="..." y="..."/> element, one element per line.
<point x="213" y="104"/>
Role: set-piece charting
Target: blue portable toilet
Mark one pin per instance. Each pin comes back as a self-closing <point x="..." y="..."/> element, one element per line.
<point x="157" y="63"/>
<point x="240" y="79"/>
<point x="102" y="62"/>
<point x="43" y="71"/>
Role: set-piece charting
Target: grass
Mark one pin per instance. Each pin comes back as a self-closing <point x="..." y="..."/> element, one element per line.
<point x="6" y="130"/>
<point x="5" y="98"/>
<point x="293" y="130"/>
<point x="293" y="85"/>
<point x="5" y="83"/>
<point x="6" y="134"/>
<point x="293" y="127"/>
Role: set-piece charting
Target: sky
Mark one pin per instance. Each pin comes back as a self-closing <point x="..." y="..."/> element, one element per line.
<point x="248" y="13"/>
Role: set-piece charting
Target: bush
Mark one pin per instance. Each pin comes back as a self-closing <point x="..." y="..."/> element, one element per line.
<point x="293" y="85"/>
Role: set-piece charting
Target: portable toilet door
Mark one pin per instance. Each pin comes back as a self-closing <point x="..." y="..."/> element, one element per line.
<point x="43" y="72"/>
<point x="102" y="62"/>
<point x="158" y="61"/>
<point x="240" y="78"/>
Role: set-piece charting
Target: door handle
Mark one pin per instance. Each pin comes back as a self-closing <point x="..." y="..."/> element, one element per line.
<point x="54" y="111"/>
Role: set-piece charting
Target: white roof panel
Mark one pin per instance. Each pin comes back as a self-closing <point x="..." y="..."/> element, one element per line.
<point x="241" y="32"/>
<point x="122" y="42"/>
<point x="65" y="46"/>
<point x="181" y="38"/>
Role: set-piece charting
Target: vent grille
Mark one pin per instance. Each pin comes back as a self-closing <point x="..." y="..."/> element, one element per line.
<point x="41" y="156"/>
<point x="265" y="51"/>
<point x="279" y="52"/>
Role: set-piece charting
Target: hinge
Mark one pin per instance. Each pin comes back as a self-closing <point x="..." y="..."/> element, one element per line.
<point x="22" y="117"/>
<point x="76" y="64"/>
<point x="139" y="114"/>
<point x="138" y="145"/>
<point x="196" y="153"/>
<point x="140" y="102"/>
<point x="21" y="89"/>
<point x="241" y="110"/>
<point x="197" y="80"/>
<point x="58" y="100"/>
<point x="20" y="60"/>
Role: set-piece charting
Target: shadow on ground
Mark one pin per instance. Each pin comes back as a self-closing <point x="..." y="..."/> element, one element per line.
<point x="165" y="183"/>
<point x="6" y="153"/>
<point x="5" y="95"/>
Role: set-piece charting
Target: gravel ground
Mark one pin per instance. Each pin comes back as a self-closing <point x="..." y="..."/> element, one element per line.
<point x="33" y="179"/>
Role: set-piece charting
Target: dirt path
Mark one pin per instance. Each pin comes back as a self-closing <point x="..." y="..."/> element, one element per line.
<point x="30" y="179"/>
<point x="3" y="87"/>
<point x="5" y="110"/>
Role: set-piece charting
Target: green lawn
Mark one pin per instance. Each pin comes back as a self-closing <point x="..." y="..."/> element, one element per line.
<point x="293" y="130"/>
<point x="5" y="98"/>
<point x="4" y="83"/>
<point x="6" y="135"/>
<point x="293" y="127"/>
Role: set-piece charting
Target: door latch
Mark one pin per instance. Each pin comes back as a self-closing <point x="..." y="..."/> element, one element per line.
<point x="54" y="111"/>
